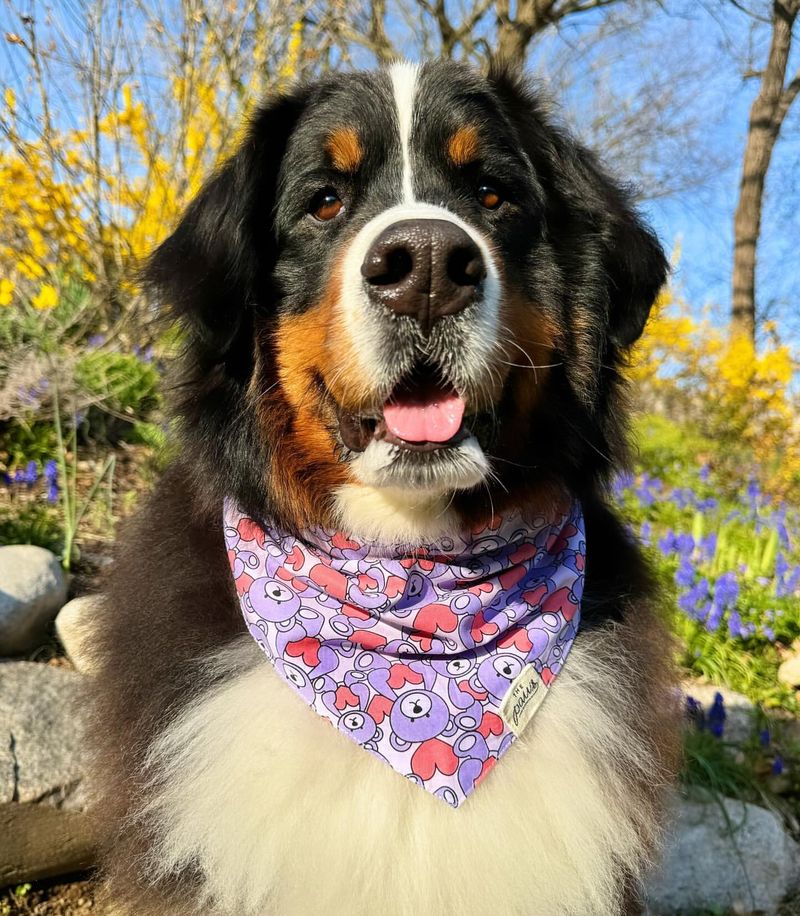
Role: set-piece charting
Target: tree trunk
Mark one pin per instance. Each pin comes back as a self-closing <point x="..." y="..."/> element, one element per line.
<point x="766" y="117"/>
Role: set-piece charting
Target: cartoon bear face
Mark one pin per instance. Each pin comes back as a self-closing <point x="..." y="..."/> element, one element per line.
<point x="358" y="725"/>
<point x="297" y="678"/>
<point x="496" y="672"/>
<point x="457" y="667"/>
<point x="419" y="715"/>
<point x="272" y="600"/>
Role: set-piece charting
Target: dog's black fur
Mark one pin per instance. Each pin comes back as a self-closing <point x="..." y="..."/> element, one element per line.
<point x="244" y="256"/>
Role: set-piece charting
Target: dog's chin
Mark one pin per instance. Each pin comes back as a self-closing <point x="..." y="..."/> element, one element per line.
<point x="460" y="465"/>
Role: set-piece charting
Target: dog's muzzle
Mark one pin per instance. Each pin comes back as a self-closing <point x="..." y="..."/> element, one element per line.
<point x="423" y="268"/>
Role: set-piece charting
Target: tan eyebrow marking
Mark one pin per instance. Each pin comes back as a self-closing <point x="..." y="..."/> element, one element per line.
<point x="464" y="146"/>
<point x="345" y="149"/>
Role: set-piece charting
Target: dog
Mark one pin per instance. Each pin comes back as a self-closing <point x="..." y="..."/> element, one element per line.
<point x="406" y="303"/>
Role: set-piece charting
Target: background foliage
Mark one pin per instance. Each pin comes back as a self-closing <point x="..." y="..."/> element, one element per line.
<point x="111" y="115"/>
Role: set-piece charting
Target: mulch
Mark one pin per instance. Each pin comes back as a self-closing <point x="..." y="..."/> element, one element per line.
<point x="59" y="897"/>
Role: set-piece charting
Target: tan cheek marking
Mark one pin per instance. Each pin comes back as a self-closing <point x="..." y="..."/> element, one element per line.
<point x="304" y="467"/>
<point x="345" y="149"/>
<point x="464" y="146"/>
<point x="533" y="339"/>
<point x="316" y="343"/>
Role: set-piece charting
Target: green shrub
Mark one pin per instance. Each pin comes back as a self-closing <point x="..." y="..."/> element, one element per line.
<point x="124" y="389"/>
<point x="22" y="441"/>
<point x="32" y="523"/>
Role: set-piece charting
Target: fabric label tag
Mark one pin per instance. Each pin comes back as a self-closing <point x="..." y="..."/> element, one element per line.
<point x="524" y="697"/>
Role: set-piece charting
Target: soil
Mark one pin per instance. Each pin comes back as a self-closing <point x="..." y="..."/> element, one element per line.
<point x="60" y="897"/>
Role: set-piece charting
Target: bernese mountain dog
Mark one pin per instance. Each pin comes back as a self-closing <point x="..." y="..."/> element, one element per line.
<point x="378" y="643"/>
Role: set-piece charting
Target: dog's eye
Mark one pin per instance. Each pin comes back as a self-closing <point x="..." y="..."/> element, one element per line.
<point x="489" y="196"/>
<point x="326" y="205"/>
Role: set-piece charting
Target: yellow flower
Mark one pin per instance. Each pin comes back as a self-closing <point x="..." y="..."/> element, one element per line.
<point x="6" y="292"/>
<point x="46" y="298"/>
<point x="10" y="99"/>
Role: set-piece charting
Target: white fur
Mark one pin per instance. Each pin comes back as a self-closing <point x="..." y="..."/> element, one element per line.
<point x="281" y="814"/>
<point x="393" y="516"/>
<point x="367" y="327"/>
<point x="462" y="467"/>
<point x="404" y="86"/>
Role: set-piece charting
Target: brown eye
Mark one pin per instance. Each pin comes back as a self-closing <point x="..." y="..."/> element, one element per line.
<point x="326" y="205"/>
<point x="489" y="197"/>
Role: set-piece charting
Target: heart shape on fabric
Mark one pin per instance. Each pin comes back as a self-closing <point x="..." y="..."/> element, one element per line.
<point x="433" y="754"/>
<point x="400" y="675"/>
<point x="517" y="638"/>
<point x="307" y="649"/>
<point x="331" y="580"/>
<point x="344" y="698"/>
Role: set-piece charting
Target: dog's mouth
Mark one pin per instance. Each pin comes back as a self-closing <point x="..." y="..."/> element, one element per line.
<point x="422" y="413"/>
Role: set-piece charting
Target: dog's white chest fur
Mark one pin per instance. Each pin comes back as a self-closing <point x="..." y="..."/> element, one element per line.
<point x="284" y="815"/>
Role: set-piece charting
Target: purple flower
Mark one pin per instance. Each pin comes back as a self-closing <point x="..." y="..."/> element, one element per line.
<point x="777" y="765"/>
<point x="708" y="546"/>
<point x="717" y="716"/>
<point x="31" y="474"/>
<point x="705" y="473"/>
<point x="684" y="544"/>
<point x="764" y="737"/>
<point x="726" y="590"/>
<point x="684" y="574"/>
<point x="735" y="627"/>
<point x="695" y="713"/>
<point x="690" y="601"/>
<point x="713" y="617"/>
<point x="96" y="340"/>
<point x="666" y="544"/>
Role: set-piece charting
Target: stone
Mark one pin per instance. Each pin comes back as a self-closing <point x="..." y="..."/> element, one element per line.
<point x="74" y="630"/>
<point x="45" y="827"/>
<point x="740" y="720"/>
<point x="789" y="671"/>
<point x="739" y="859"/>
<point x="32" y="589"/>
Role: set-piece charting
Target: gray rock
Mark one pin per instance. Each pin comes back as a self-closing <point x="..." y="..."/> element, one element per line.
<point x="745" y="861"/>
<point x="44" y="825"/>
<point x="740" y="720"/>
<point x="74" y="627"/>
<point x="32" y="589"/>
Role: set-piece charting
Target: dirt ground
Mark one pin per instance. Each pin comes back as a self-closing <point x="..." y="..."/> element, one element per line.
<point x="75" y="897"/>
<point x="61" y="897"/>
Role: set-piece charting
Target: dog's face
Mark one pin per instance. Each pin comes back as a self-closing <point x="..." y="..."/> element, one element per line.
<point x="406" y="281"/>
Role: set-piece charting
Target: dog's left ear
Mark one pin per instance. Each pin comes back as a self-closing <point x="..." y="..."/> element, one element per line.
<point x="586" y="206"/>
<point x="213" y="271"/>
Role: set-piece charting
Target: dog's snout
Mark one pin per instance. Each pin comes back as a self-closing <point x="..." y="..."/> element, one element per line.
<point x="425" y="268"/>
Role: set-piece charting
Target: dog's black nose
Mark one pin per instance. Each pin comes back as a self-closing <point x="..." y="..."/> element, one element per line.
<point x="426" y="268"/>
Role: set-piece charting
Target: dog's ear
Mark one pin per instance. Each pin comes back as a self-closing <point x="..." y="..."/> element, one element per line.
<point x="213" y="270"/>
<point x="585" y="206"/>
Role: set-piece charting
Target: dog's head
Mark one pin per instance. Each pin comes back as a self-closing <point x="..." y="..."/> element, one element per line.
<point x="407" y="285"/>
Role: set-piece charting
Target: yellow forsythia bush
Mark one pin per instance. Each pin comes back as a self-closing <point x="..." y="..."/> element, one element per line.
<point x="744" y="401"/>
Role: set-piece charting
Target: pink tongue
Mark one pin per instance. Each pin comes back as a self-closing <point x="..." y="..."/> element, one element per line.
<point x="435" y="419"/>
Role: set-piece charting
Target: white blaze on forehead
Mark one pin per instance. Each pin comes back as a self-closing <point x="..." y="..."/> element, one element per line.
<point x="404" y="86"/>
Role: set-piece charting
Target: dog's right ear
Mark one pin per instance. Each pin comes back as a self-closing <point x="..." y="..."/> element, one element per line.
<point x="214" y="268"/>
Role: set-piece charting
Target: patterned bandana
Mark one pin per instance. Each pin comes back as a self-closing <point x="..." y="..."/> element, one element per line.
<point x="434" y="658"/>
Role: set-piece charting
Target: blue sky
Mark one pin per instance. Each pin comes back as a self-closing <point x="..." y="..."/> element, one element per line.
<point x="698" y="51"/>
<point x="692" y="53"/>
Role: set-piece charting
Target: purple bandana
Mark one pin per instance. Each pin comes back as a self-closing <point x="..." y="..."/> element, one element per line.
<point x="435" y="658"/>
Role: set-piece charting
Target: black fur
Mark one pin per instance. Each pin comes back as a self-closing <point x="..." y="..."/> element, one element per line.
<point x="246" y="253"/>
